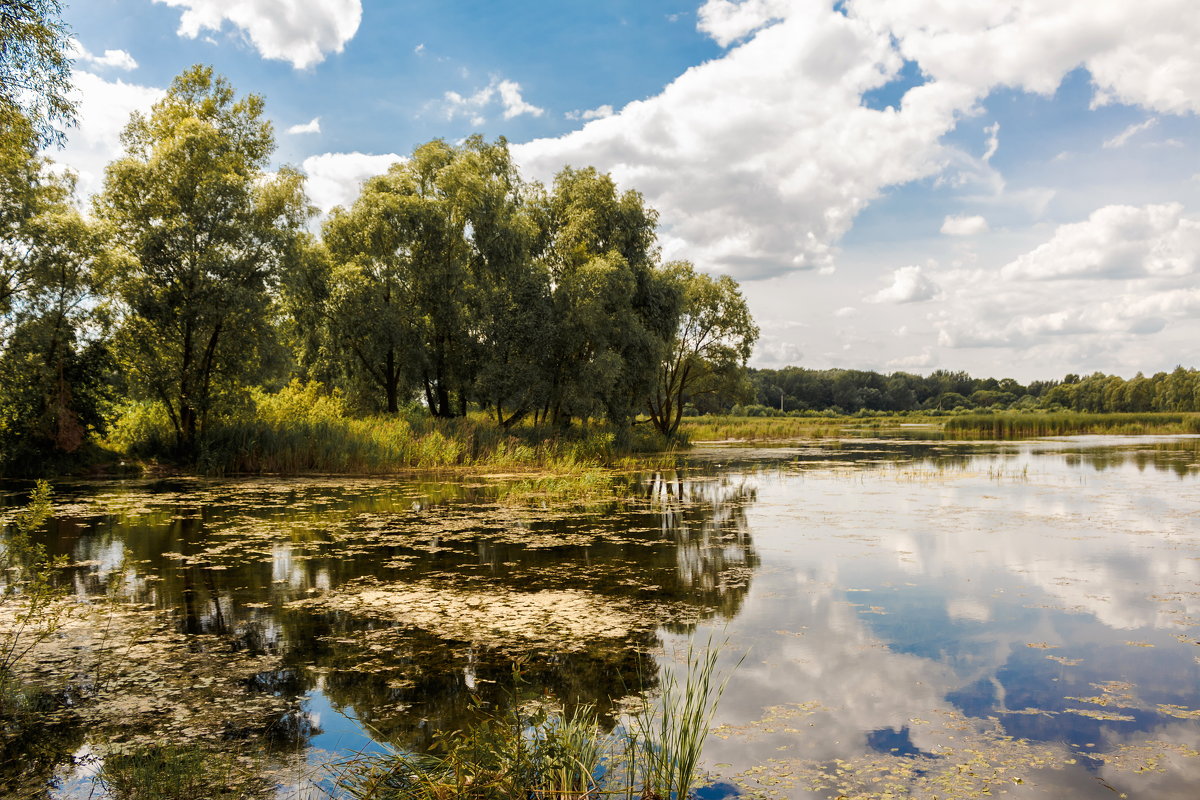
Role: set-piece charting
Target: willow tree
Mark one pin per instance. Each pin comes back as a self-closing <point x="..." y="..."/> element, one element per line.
<point x="613" y="311"/>
<point x="431" y="280"/>
<point x="710" y="346"/>
<point x="200" y="232"/>
<point x="35" y="68"/>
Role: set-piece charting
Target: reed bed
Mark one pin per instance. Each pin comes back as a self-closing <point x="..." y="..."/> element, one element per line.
<point x="720" y="429"/>
<point x="1067" y="423"/>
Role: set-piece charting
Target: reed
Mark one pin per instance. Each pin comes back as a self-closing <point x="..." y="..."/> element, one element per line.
<point x="1067" y="423"/>
<point x="668" y="738"/>
<point x="528" y="752"/>
<point x="763" y="429"/>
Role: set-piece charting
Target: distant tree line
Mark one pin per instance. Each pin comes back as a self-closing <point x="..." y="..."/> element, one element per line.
<point x="847" y="391"/>
<point x="449" y="283"/>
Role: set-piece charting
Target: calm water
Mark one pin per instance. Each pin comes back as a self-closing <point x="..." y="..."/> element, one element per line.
<point x="926" y="618"/>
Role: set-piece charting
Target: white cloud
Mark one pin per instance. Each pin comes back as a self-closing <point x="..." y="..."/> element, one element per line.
<point x="505" y="92"/>
<point x="301" y="33"/>
<point x="845" y="311"/>
<point x="909" y="285"/>
<point x="1137" y="53"/>
<point x="1126" y="289"/>
<point x="1124" y="136"/>
<point x="334" y="178"/>
<point x="759" y="161"/>
<point x="419" y="49"/>
<point x="312" y="126"/>
<point x="964" y="226"/>
<point x="993" y="140"/>
<point x="103" y="112"/>
<point x="922" y="360"/>
<point x="112" y="59"/>
<point x="600" y="112"/>
<point x="771" y="351"/>
<point x="726" y="21"/>
<point x="1116" y="242"/>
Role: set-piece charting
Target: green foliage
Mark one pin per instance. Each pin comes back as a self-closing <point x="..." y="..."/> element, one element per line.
<point x="306" y="428"/>
<point x="35" y="67"/>
<point x="53" y="362"/>
<point x="707" y="354"/>
<point x="199" y="235"/>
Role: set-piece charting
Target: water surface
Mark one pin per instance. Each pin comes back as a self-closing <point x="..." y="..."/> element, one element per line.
<point x="917" y="617"/>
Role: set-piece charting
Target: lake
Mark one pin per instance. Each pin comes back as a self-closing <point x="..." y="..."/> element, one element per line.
<point x="912" y="617"/>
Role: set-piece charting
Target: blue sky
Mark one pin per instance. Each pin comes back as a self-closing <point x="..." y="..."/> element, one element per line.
<point x="1010" y="187"/>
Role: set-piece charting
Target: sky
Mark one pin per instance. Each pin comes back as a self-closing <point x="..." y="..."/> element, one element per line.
<point x="1006" y="187"/>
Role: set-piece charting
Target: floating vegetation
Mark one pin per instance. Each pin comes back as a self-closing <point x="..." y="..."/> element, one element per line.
<point x="491" y="617"/>
<point x="965" y="758"/>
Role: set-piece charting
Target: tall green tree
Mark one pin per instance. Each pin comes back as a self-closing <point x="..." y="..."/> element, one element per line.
<point x="35" y="67"/>
<point x="28" y="193"/>
<point x="53" y="360"/>
<point x="708" y="352"/>
<point x="201" y="234"/>
<point x="432" y="284"/>
<point x="614" y="312"/>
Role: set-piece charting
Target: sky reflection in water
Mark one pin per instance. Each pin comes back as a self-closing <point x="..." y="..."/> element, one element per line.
<point x="891" y="594"/>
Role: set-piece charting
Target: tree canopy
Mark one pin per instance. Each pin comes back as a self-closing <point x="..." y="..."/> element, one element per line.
<point x="35" y="67"/>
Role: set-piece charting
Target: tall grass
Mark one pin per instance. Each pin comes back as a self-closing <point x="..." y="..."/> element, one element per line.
<point x="557" y="755"/>
<point x="1067" y="423"/>
<point x="718" y="429"/>
<point x="304" y="429"/>
<point x="667" y="741"/>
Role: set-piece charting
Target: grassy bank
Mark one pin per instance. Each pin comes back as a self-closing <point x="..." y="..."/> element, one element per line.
<point x="303" y="429"/>
<point x="1067" y="423"/>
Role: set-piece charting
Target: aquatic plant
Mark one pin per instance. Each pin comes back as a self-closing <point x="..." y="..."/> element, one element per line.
<point x="544" y="753"/>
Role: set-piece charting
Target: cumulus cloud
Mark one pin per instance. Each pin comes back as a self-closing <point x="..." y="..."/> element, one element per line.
<point x="500" y="91"/>
<point x="334" y="178"/>
<point x="760" y="160"/>
<point x="909" y="285"/>
<point x="103" y="109"/>
<point x="922" y="360"/>
<point x="312" y="126"/>
<point x="964" y="226"/>
<point x="1137" y="53"/>
<point x="301" y="33"/>
<point x="1123" y="276"/>
<point x="112" y="59"/>
<point x="773" y="351"/>
<point x="1117" y="242"/>
<point x="1133" y="130"/>
<point x="726" y="21"/>
<point x="600" y="112"/>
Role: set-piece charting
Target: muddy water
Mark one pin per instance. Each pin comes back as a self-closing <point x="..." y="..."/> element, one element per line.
<point x="921" y="618"/>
